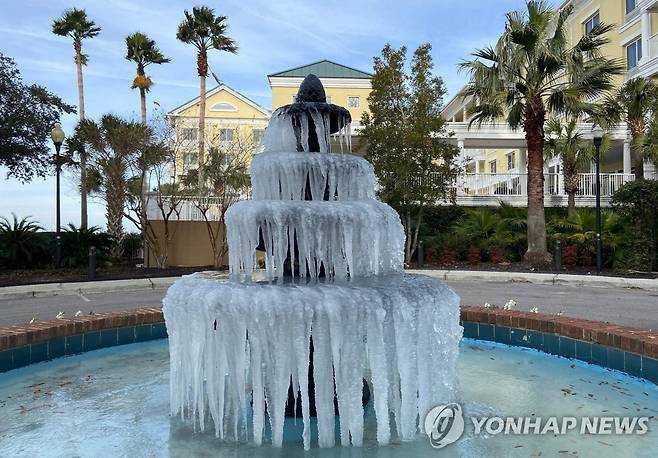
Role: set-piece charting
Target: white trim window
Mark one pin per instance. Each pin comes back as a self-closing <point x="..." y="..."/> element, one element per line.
<point x="592" y="22"/>
<point x="257" y="135"/>
<point x="511" y="160"/>
<point x="226" y="135"/>
<point x="633" y="53"/>
<point x="492" y="167"/>
<point x="190" y="159"/>
<point x="353" y="101"/>
<point x="630" y="6"/>
<point x="190" y="134"/>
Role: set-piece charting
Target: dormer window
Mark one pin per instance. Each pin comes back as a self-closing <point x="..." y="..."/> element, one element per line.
<point x="223" y="106"/>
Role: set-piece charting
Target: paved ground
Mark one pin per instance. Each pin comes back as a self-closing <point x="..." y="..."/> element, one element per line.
<point x="631" y="307"/>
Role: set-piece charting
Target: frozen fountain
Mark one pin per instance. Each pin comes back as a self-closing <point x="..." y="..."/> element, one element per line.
<point x="332" y="307"/>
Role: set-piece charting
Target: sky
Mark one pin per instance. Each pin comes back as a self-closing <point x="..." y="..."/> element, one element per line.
<point x="272" y="36"/>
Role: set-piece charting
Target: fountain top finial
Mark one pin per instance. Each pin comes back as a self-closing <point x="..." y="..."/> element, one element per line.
<point x="311" y="90"/>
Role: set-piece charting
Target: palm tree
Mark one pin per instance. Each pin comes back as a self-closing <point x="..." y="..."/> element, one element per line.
<point x="74" y="24"/>
<point x="531" y="71"/>
<point x="564" y="141"/>
<point x="633" y="102"/>
<point x="114" y="144"/>
<point x="203" y="29"/>
<point x="143" y="51"/>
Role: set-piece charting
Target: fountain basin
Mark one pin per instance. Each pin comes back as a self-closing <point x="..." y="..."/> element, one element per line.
<point x="114" y="402"/>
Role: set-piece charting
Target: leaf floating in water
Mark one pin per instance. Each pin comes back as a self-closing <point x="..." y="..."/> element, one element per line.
<point x="604" y="443"/>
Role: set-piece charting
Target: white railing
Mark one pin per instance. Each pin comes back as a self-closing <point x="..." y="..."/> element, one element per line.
<point x="188" y="208"/>
<point x="515" y="184"/>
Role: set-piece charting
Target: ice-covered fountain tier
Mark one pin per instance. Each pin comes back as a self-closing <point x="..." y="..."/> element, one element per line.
<point x="237" y="346"/>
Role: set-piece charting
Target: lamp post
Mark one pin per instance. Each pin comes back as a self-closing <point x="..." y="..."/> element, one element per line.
<point x="57" y="136"/>
<point x="598" y="139"/>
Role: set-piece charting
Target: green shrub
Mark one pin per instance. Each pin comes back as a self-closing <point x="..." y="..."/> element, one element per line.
<point x="638" y="201"/>
<point x="22" y="244"/>
<point x="77" y="241"/>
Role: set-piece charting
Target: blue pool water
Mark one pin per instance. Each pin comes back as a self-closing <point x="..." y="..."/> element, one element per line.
<point x="115" y="402"/>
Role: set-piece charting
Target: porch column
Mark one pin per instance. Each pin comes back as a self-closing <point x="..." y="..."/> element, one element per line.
<point x="645" y="29"/>
<point x="627" y="155"/>
<point x="523" y="170"/>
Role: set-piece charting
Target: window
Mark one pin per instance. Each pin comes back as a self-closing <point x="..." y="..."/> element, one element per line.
<point x="223" y="106"/>
<point x="353" y="102"/>
<point x="633" y="54"/>
<point x="492" y="166"/>
<point x="592" y="22"/>
<point x="257" y="135"/>
<point x="190" y="133"/>
<point x="511" y="160"/>
<point x="226" y="135"/>
<point x="189" y="160"/>
<point x="630" y="5"/>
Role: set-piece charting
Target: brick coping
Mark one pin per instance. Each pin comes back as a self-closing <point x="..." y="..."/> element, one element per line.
<point x="635" y="340"/>
<point x="41" y="331"/>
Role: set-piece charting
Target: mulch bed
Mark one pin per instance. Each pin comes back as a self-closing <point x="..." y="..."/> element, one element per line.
<point x="525" y="267"/>
<point x="28" y="277"/>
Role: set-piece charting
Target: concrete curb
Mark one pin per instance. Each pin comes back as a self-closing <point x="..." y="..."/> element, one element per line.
<point x="541" y="279"/>
<point x="72" y="289"/>
<point x="75" y="288"/>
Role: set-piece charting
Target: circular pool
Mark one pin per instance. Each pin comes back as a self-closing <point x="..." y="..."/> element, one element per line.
<point x="115" y="402"/>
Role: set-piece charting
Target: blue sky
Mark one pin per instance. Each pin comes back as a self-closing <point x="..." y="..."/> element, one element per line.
<point x="272" y="35"/>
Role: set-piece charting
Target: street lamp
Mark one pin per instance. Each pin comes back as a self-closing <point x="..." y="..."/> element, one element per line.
<point x="598" y="139"/>
<point x="57" y="136"/>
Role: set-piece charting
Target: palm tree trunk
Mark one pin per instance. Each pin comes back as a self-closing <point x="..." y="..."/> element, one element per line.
<point x="142" y="101"/>
<point x="534" y="133"/>
<point x="83" y="154"/>
<point x="638" y="157"/>
<point x="571" y="206"/>
<point x="114" y="199"/>
<point x="202" y="129"/>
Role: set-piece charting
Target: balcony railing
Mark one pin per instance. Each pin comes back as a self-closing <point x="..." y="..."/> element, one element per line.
<point x="515" y="184"/>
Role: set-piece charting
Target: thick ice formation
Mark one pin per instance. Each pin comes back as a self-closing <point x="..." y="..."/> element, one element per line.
<point x="400" y="332"/>
<point x="236" y="347"/>
<point x="287" y="176"/>
<point x="361" y="238"/>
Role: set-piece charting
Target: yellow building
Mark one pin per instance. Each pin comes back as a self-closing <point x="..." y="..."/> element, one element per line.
<point x="231" y="118"/>
<point x="497" y="151"/>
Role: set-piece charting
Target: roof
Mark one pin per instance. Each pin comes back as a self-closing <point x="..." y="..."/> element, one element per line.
<point x="323" y="69"/>
<point x="215" y="90"/>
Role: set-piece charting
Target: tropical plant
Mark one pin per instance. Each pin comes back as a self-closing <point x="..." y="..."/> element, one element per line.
<point x="489" y="228"/>
<point x="27" y="115"/>
<point x="143" y="52"/>
<point x="634" y="102"/>
<point x="564" y="141"/>
<point x="22" y="243"/>
<point x="205" y="31"/>
<point x="530" y="72"/>
<point x="75" y="24"/>
<point x="114" y="144"/>
<point x="77" y="241"/>
<point x="402" y="127"/>
<point x="580" y="230"/>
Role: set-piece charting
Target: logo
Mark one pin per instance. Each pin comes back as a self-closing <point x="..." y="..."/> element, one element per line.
<point x="444" y="424"/>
